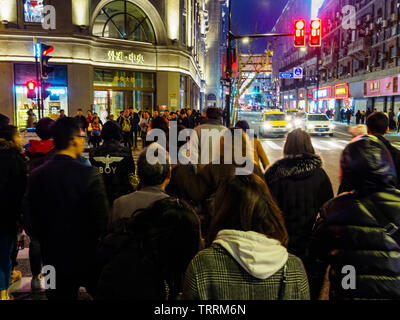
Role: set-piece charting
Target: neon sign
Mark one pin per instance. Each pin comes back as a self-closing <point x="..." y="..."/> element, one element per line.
<point x="120" y="56"/>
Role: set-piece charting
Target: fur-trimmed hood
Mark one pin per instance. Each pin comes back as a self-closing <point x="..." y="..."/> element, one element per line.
<point x="7" y="145"/>
<point x="295" y="167"/>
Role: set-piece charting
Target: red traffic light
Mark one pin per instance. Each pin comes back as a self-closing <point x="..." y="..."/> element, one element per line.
<point x="47" y="50"/>
<point x="300" y="33"/>
<point x="315" y="33"/>
<point x="31" y="86"/>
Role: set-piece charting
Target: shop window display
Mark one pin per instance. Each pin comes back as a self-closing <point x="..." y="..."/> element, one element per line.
<point x="57" y="100"/>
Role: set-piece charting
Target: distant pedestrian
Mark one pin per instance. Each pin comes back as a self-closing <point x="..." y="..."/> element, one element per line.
<point x="363" y="117"/>
<point x="62" y="113"/>
<point x="144" y="127"/>
<point x="358" y="117"/>
<point x="80" y="118"/>
<point x="126" y="126"/>
<point x="30" y="122"/>
<point x="69" y="223"/>
<point x="95" y="132"/>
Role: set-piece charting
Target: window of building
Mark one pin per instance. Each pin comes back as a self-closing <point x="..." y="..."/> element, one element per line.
<point x="33" y="11"/>
<point x="122" y="19"/>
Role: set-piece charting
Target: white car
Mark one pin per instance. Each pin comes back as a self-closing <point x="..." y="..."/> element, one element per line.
<point x="316" y="123"/>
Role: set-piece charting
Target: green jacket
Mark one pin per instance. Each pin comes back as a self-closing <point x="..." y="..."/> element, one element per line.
<point x="215" y="275"/>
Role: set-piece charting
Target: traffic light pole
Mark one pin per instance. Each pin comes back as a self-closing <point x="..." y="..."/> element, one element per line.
<point x="230" y="38"/>
<point x="38" y="97"/>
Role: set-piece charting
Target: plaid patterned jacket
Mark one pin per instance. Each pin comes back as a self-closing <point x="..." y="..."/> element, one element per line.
<point x="215" y="275"/>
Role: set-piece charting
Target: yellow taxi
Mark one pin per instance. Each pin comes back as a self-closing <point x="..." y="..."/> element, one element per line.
<point x="274" y="124"/>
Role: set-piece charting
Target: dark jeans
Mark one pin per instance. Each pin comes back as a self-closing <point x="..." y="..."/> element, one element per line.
<point x="144" y="143"/>
<point x="35" y="256"/>
<point x="127" y="137"/>
<point x="135" y="133"/>
<point x="7" y="243"/>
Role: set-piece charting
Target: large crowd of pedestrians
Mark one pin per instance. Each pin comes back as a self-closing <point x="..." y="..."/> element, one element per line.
<point x="168" y="231"/>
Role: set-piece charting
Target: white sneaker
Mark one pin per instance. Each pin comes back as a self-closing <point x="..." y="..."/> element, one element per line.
<point x="36" y="283"/>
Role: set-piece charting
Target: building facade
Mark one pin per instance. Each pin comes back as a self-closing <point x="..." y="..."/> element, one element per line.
<point x="108" y="55"/>
<point x="358" y="65"/>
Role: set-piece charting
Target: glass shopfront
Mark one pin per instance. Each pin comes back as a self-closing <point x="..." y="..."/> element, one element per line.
<point x="57" y="100"/>
<point x="116" y="90"/>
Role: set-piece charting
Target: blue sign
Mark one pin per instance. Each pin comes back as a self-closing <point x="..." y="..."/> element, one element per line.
<point x="286" y="75"/>
<point x="298" y="73"/>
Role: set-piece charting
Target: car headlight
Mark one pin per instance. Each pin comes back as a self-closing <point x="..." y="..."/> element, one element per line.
<point x="289" y="126"/>
<point x="298" y="122"/>
<point x="267" y="126"/>
<point x="310" y="126"/>
<point x="332" y="126"/>
<point x="288" y="118"/>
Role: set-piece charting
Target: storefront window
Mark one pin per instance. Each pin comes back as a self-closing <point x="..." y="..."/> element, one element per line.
<point x="123" y="20"/>
<point x="57" y="100"/>
<point x="116" y="90"/>
<point x="33" y="11"/>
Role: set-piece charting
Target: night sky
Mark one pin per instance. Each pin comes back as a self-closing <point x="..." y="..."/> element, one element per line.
<point x="246" y="14"/>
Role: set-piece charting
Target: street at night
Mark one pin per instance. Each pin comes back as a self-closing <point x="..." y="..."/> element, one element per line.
<point x="171" y="152"/>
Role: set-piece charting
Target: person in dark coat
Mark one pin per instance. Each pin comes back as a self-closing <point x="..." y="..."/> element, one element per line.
<point x="38" y="152"/>
<point x="358" y="117"/>
<point x="378" y="125"/>
<point x="66" y="208"/>
<point x="135" y="119"/>
<point x="300" y="186"/>
<point x="80" y="118"/>
<point x="348" y="232"/>
<point x="114" y="162"/>
<point x="153" y="253"/>
<point x="13" y="175"/>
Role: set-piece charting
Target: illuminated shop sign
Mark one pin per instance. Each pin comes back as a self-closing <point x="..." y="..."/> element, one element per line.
<point x="121" y="56"/>
<point x="323" y="93"/>
<point x="342" y="91"/>
<point x="384" y="86"/>
<point x="53" y="90"/>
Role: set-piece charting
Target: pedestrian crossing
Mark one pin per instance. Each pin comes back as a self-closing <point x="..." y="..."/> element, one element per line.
<point x="328" y="144"/>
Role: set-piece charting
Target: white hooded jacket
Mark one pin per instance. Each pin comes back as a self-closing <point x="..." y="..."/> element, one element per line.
<point x="259" y="255"/>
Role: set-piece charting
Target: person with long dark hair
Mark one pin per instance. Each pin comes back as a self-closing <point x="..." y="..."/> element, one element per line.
<point x="158" y="245"/>
<point x="247" y="258"/>
<point x="300" y="186"/>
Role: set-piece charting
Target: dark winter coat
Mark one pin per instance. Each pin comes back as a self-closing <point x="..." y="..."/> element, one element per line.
<point x="13" y="175"/>
<point x="116" y="165"/>
<point x="38" y="151"/>
<point x="395" y="156"/>
<point x="67" y="210"/>
<point x="300" y="186"/>
<point x="348" y="234"/>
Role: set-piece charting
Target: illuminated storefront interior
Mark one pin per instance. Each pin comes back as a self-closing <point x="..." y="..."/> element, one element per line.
<point x="57" y="100"/>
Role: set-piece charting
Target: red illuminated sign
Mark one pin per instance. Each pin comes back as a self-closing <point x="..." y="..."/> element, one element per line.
<point x="315" y="33"/>
<point x="300" y="33"/>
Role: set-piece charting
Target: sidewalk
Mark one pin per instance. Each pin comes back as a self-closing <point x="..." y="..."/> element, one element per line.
<point x="392" y="133"/>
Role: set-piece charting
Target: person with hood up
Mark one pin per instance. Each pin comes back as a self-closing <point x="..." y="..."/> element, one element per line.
<point x="301" y="187"/>
<point x="360" y="228"/>
<point x="247" y="259"/>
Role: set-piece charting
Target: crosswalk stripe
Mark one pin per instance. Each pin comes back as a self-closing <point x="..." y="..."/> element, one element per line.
<point x="319" y="146"/>
<point x="273" y="145"/>
<point x="334" y="145"/>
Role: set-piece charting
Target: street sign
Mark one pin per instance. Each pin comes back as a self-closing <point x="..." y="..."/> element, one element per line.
<point x="298" y="73"/>
<point x="286" y="75"/>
